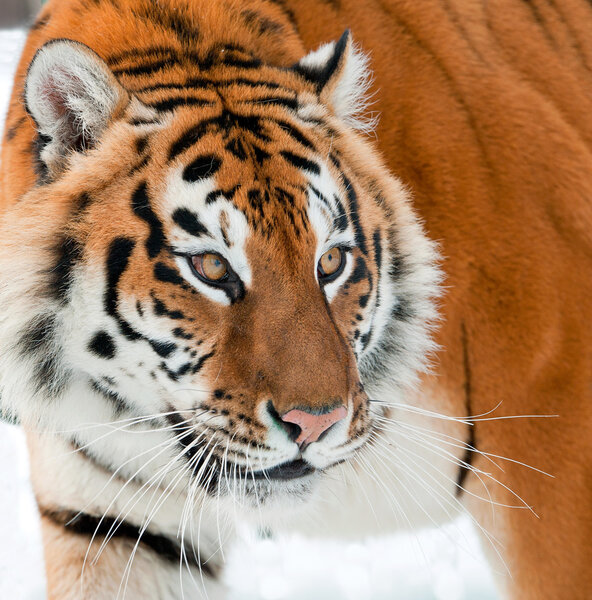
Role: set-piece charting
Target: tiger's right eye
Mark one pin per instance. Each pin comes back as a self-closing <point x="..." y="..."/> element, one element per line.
<point x="210" y="267"/>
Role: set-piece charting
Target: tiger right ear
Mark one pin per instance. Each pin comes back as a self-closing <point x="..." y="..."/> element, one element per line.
<point x="72" y="95"/>
<point x="341" y="73"/>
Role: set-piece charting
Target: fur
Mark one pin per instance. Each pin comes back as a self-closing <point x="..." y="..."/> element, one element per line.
<point x="153" y="132"/>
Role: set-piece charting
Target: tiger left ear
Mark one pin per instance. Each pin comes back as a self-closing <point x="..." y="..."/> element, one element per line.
<point x="72" y="96"/>
<point x="342" y="75"/>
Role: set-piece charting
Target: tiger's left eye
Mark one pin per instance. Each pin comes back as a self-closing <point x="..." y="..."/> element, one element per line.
<point x="211" y="267"/>
<point x="331" y="264"/>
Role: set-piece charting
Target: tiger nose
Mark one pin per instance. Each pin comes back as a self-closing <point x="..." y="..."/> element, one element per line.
<point x="313" y="425"/>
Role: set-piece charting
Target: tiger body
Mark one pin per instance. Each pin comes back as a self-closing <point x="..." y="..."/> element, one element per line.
<point x="159" y="399"/>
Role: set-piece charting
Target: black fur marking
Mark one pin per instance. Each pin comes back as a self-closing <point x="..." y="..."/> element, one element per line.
<point x="206" y="83"/>
<point x="301" y="163"/>
<point x="228" y="194"/>
<point x="38" y="336"/>
<point x="141" y="144"/>
<point x="40" y="23"/>
<point x="320" y="76"/>
<point x="167" y="274"/>
<point x="190" y="444"/>
<point x="354" y="215"/>
<point x="118" y="257"/>
<point x="260" y="23"/>
<point x="201" y="168"/>
<point x="295" y="134"/>
<point x="41" y="170"/>
<point x="175" y="375"/>
<point x="260" y="154"/>
<point x="138" y="122"/>
<point x="470" y="444"/>
<point x="188" y="139"/>
<point x="189" y="221"/>
<point x="363" y="300"/>
<point x="290" y="103"/>
<point x="180" y="333"/>
<point x="341" y="221"/>
<point x="200" y="363"/>
<point x="164" y="349"/>
<point x="68" y="254"/>
<point x="103" y="345"/>
<point x="39" y="340"/>
<point x="171" y="103"/>
<point x="145" y="69"/>
<point x="160" y="309"/>
<point x="236" y="147"/>
<point x="119" y="404"/>
<point x="142" y="208"/>
<point x="360" y="271"/>
<point x="12" y="131"/>
<point x="89" y="525"/>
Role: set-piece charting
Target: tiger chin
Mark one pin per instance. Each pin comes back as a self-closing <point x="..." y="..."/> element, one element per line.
<point x="212" y="286"/>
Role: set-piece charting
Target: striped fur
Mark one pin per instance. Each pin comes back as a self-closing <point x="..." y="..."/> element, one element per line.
<point x="142" y="135"/>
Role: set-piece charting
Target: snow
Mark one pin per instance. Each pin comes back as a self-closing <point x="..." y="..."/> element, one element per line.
<point x="433" y="564"/>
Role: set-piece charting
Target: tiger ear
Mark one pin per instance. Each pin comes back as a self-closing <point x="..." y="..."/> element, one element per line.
<point x="342" y="75"/>
<point x="71" y="95"/>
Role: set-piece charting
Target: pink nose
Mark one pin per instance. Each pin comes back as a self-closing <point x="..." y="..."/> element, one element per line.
<point x="312" y="426"/>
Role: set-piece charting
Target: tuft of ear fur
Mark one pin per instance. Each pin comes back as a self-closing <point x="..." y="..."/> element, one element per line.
<point x="71" y="95"/>
<point x="343" y="77"/>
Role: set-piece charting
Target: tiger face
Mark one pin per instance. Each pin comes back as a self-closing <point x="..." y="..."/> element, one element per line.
<point x="229" y="266"/>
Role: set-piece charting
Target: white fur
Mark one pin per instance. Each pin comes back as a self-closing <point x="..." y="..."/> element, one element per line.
<point x="69" y="90"/>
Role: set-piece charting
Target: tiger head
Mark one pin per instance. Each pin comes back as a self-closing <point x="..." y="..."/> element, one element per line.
<point x="222" y="259"/>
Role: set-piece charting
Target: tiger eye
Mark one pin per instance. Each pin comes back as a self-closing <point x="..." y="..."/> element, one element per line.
<point x="210" y="266"/>
<point x="330" y="262"/>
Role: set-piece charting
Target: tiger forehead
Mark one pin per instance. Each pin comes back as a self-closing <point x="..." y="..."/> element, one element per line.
<point x="261" y="165"/>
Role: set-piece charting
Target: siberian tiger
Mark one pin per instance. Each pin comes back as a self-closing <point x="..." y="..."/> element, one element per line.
<point x="217" y="304"/>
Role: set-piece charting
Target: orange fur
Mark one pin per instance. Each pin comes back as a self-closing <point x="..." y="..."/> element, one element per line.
<point x="485" y="115"/>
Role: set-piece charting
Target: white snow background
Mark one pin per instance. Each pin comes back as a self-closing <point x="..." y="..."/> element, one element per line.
<point x="432" y="564"/>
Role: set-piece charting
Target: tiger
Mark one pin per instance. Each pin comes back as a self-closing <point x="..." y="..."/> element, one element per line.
<point x="256" y="271"/>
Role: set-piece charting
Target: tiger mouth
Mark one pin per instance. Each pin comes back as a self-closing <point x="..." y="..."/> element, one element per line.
<point x="294" y="469"/>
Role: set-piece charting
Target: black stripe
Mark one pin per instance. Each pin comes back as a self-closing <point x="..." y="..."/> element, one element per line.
<point x="142" y="208"/>
<point x="206" y="83"/>
<point x="260" y="23"/>
<point x="172" y="103"/>
<point x="145" y="69"/>
<point x="118" y="257"/>
<point x="189" y="221"/>
<point x="38" y="340"/>
<point x="201" y="168"/>
<point x="294" y="133"/>
<point x="301" y="163"/>
<point x="89" y="525"/>
<point x="142" y="52"/>
<point x="354" y="215"/>
<point x="190" y="137"/>
<point x="290" y="103"/>
<point x="470" y="444"/>
<point x="120" y="405"/>
<point x="68" y="254"/>
<point x="12" y="131"/>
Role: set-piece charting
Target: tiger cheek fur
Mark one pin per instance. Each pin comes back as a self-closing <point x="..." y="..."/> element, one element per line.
<point x="225" y="265"/>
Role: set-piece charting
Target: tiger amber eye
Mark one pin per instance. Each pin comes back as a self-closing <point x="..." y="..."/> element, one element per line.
<point x="211" y="266"/>
<point x="331" y="261"/>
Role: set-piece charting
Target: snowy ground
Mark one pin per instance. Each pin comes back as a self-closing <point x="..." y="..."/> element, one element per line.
<point x="436" y="564"/>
